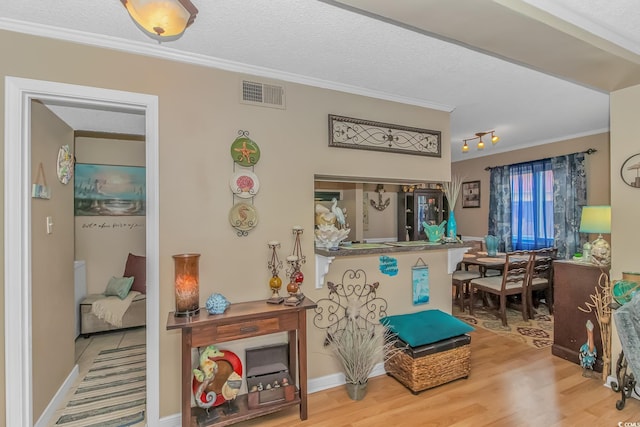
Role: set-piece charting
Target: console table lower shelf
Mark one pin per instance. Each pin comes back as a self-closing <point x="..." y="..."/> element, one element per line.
<point x="239" y="321"/>
<point x="242" y="412"/>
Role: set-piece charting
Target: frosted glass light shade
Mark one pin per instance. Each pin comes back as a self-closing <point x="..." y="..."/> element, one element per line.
<point x="596" y="219"/>
<point x="162" y="19"/>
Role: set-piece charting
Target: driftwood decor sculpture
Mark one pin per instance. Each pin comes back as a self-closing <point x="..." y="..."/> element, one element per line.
<point x="600" y="305"/>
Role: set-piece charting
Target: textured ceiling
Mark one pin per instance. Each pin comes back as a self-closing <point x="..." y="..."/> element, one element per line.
<point x="456" y="56"/>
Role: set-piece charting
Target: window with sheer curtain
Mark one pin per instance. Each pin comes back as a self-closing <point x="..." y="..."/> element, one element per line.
<point x="537" y="204"/>
<point x="531" y="205"/>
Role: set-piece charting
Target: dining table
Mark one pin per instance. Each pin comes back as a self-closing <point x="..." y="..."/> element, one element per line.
<point x="484" y="262"/>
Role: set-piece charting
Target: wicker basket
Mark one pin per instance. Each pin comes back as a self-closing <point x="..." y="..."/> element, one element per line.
<point x="422" y="368"/>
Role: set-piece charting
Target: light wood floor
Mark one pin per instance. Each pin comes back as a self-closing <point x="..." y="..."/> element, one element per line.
<point x="511" y="384"/>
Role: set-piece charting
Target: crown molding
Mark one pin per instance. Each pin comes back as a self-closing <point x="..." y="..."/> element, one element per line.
<point x="164" y="52"/>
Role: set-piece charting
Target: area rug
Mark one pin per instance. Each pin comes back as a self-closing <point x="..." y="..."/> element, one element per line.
<point x="537" y="332"/>
<point x="112" y="393"/>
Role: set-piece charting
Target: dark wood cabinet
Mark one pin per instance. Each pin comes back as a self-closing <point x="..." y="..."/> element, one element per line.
<point x="414" y="207"/>
<point x="573" y="285"/>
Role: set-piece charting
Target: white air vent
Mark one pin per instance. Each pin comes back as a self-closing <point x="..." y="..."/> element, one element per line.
<point x="267" y="95"/>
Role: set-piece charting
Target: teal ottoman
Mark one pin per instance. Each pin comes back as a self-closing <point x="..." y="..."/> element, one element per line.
<point x="437" y="349"/>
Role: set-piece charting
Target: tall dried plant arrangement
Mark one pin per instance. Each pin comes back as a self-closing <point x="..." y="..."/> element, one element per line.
<point x="452" y="190"/>
<point x="600" y="305"/>
<point x="359" y="349"/>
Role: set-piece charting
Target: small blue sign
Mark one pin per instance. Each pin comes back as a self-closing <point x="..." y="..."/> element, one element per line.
<point x="388" y="266"/>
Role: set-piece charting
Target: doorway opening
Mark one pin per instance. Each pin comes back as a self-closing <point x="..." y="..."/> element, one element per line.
<point x="19" y="93"/>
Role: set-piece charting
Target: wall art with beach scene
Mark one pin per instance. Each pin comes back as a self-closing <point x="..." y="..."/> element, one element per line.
<point x="109" y="190"/>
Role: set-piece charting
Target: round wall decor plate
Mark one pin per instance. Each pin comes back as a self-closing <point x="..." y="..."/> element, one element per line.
<point x="244" y="184"/>
<point x="64" y="165"/>
<point x="243" y="216"/>
<point x="245" y="152"/>
<point x="630" y="171"/>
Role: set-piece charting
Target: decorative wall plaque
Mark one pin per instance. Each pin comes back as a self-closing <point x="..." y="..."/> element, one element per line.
<point x="346" y="132"/>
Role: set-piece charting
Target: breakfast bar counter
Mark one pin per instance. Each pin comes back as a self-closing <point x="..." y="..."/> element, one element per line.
<point x="388" y="247"/>
<point x="324" y="257"/>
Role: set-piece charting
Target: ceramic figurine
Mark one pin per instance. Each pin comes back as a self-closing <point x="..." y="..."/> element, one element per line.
<point x="217" y="304"/>
<point x="435" y="233"/>
<point x="588" y="353"/>
<point x="204" y="374"/>
<point x="338" y="212"/>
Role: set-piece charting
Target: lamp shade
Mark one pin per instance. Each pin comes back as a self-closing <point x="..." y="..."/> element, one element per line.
<point x="162" y="19"/>
<point x="596" y="219"/>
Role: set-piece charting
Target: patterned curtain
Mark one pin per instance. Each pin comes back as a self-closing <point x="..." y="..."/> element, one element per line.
<point x="569" y="196"/>
<point x="500" y="206"/>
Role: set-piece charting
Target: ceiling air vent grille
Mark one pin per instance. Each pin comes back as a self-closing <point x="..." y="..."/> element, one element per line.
<point x="266" y="95"/>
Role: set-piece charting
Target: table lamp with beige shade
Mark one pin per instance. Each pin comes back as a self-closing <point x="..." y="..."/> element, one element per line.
<point x="597" y="219"/>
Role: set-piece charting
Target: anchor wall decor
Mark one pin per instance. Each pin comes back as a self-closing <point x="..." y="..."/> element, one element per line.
<point x="380" y="205"/>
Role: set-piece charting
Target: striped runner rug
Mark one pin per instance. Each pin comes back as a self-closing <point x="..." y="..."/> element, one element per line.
<point x="112" y="393"/>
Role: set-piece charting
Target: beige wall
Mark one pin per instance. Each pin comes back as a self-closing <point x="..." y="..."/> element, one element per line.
<point x="199" y="117"/>
<point x="104" y="242"/>
<point x="625" y="200"/>
<point x="53" y="328"/>
<point x="396" y="290"/>
<point x="474" y="221"/>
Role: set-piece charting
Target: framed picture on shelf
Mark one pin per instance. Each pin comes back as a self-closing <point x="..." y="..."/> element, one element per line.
<point x="471" y="194"/>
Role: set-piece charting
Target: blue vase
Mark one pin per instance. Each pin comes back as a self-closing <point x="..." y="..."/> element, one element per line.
<point x="492" y="245"/>
<point x="452" y="229"/>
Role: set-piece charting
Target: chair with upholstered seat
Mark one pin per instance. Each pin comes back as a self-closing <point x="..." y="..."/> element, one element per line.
<point x="460" y="278"/>
<point x="541" y="279"/>
<point x="513" y="281"/>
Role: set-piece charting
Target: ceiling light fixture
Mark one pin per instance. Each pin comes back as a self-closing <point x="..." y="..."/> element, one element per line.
<point x="494" y="139"/>
<point x="162" y="20"/>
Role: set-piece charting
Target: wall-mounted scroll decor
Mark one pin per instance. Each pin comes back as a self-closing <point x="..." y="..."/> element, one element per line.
<point x="420" y="282"/>
<point x="244" y="183"/>
<point x="347" y="132"/>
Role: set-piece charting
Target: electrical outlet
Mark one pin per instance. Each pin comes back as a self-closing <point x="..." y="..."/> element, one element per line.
<point x="49" y="225"/>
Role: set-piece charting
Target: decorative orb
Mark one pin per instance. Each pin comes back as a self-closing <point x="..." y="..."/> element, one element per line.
<point x="624" y="290"/>
<point x="275" y="283"/>
<point x="217" y="304"/>
<point x="292" y="287"/>
<point x="298" y="277"/>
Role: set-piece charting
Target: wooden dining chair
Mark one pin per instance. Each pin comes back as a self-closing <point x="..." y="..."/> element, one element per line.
<point x="461" y="277"/>
<point x="513" y="281"/>
<point x="541" y="279"/>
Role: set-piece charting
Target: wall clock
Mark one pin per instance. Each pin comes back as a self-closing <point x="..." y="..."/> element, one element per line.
<point x="630" y="171"/>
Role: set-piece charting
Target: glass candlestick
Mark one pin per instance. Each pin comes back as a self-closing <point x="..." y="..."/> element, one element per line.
<point x="275" y="283"/>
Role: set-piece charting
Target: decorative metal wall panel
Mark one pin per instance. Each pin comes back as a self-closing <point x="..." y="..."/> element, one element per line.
<point x="347" y="132"/>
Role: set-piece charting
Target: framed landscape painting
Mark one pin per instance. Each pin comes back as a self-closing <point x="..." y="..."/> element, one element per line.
<point x="107" y="190"/>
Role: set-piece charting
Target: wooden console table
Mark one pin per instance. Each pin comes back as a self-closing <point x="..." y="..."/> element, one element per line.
<point x="245" y="320"/>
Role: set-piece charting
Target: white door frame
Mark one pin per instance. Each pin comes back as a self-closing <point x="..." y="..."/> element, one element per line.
<point x="19" y="93"/>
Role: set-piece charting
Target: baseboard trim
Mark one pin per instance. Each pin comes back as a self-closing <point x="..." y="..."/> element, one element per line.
<point x="58" y="398"/>
<point x="314" y="385"/>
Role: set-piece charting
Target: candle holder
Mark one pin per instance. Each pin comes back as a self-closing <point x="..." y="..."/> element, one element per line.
<point x="187" y="284"/>
<point x="275" y="283"/>
<point x="294" y="285"/>
<point x="295" y="275"/>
